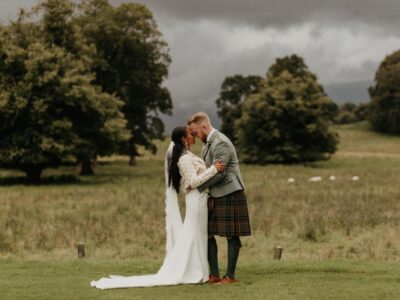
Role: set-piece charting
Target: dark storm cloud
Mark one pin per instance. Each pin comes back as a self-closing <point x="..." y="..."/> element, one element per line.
<point x="349" y="92"/>
<point x="280" y="13"/>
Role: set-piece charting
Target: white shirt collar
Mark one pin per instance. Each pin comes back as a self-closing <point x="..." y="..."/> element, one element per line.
<point x="210" y="134"/>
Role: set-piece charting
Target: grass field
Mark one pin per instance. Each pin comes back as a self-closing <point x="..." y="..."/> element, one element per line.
<point x="339" y="237"/>
<point x="334" y="280"/>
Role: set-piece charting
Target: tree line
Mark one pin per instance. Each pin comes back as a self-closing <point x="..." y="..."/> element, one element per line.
<point x="83" y="80"/>
<point x="78" y="81"/>
<point x="286" y="116"/>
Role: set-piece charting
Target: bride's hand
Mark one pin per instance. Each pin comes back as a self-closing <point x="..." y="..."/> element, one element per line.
<point x="220" y="166"/>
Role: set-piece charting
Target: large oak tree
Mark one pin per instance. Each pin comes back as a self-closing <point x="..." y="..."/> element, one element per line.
<point x="287" y="121"/>
<point x="131" y="62"/>
<point x="50" y="111"/>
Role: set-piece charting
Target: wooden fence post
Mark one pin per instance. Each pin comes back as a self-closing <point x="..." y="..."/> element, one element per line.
<point x="81" y="250"/>
<point x="278" y="252"/>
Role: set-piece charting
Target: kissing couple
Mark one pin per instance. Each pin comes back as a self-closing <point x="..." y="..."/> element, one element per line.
<point x="215" y="205"/>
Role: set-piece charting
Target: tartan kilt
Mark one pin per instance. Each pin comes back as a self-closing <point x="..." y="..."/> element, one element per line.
<point x="228" y="216"/>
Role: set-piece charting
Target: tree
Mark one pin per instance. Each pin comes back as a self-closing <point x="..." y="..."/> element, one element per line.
<point x="131" y="62"/>
<point x="385" y="96"/>
<point x="346" y="113"/>
<point x="50" y="111"/>
<point x="362" y="111"/>
<point x="350" y="113"/>
<point x="287" y="120"/>
<point x="234" y="90"/>
<point x="331" y="111"/>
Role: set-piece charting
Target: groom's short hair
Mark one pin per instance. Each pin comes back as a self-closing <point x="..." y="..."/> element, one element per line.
<point x="198" y="118"/>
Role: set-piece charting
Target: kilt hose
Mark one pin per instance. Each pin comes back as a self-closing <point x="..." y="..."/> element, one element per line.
<point x="228" y="216"/>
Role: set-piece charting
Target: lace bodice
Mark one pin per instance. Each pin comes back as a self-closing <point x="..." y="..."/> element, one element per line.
<point x="194" y="171"/>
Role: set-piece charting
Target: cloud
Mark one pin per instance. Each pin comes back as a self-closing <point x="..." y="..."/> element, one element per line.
<point x="280" y="13"/>
<point x="202" y="60"/>
<point x="349" y="91"/>
<point x="205" y="52"/>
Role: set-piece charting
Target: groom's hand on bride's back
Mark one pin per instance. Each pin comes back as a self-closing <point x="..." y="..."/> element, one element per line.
<point x="220" y="166"/>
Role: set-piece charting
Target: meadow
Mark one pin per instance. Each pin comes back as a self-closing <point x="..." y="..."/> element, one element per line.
<point x="340" y="233"/>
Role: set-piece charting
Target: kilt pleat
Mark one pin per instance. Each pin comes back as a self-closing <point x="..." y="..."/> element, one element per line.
<point x="228" y="216"/>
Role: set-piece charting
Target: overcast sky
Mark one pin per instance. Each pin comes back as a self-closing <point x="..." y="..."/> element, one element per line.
<point x="342" y="42"/>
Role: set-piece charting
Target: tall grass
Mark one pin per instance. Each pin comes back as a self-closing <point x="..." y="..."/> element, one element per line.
<point x="119" y="213"/>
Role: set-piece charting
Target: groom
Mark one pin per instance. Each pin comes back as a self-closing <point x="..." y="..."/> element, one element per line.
<point x="228" y="215"/>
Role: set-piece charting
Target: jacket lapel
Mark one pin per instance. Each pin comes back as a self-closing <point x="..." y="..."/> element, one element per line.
<point x="204" y="151"/>
<point x="207" y="146"/>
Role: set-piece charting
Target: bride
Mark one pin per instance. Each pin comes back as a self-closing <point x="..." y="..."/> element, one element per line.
<point x="186" y="256"/>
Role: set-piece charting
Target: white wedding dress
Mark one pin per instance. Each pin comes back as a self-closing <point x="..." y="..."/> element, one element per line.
<point x="186" y="247"/>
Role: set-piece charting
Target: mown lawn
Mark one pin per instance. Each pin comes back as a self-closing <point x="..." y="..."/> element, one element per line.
<point x="56" y="280"/>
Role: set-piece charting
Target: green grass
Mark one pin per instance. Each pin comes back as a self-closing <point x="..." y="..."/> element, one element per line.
<point x="119" y="213"/>
<point x="267" y="280"/>
<point x="328" y="229"/>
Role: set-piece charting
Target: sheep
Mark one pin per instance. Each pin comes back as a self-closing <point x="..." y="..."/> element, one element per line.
<point x="315" y="179"/>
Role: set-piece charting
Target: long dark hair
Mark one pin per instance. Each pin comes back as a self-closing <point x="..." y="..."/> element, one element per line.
<point x="174" y="177"/>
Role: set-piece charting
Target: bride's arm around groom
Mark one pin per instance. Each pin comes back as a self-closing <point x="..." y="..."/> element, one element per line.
<point x="190" y="178"/>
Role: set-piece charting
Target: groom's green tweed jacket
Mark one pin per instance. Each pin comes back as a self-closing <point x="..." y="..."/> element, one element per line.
<point x="221" y="148"/>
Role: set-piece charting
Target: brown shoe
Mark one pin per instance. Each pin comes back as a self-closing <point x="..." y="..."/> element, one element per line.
<point x="226" y="280"/>
<point x="213" y="279"/>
